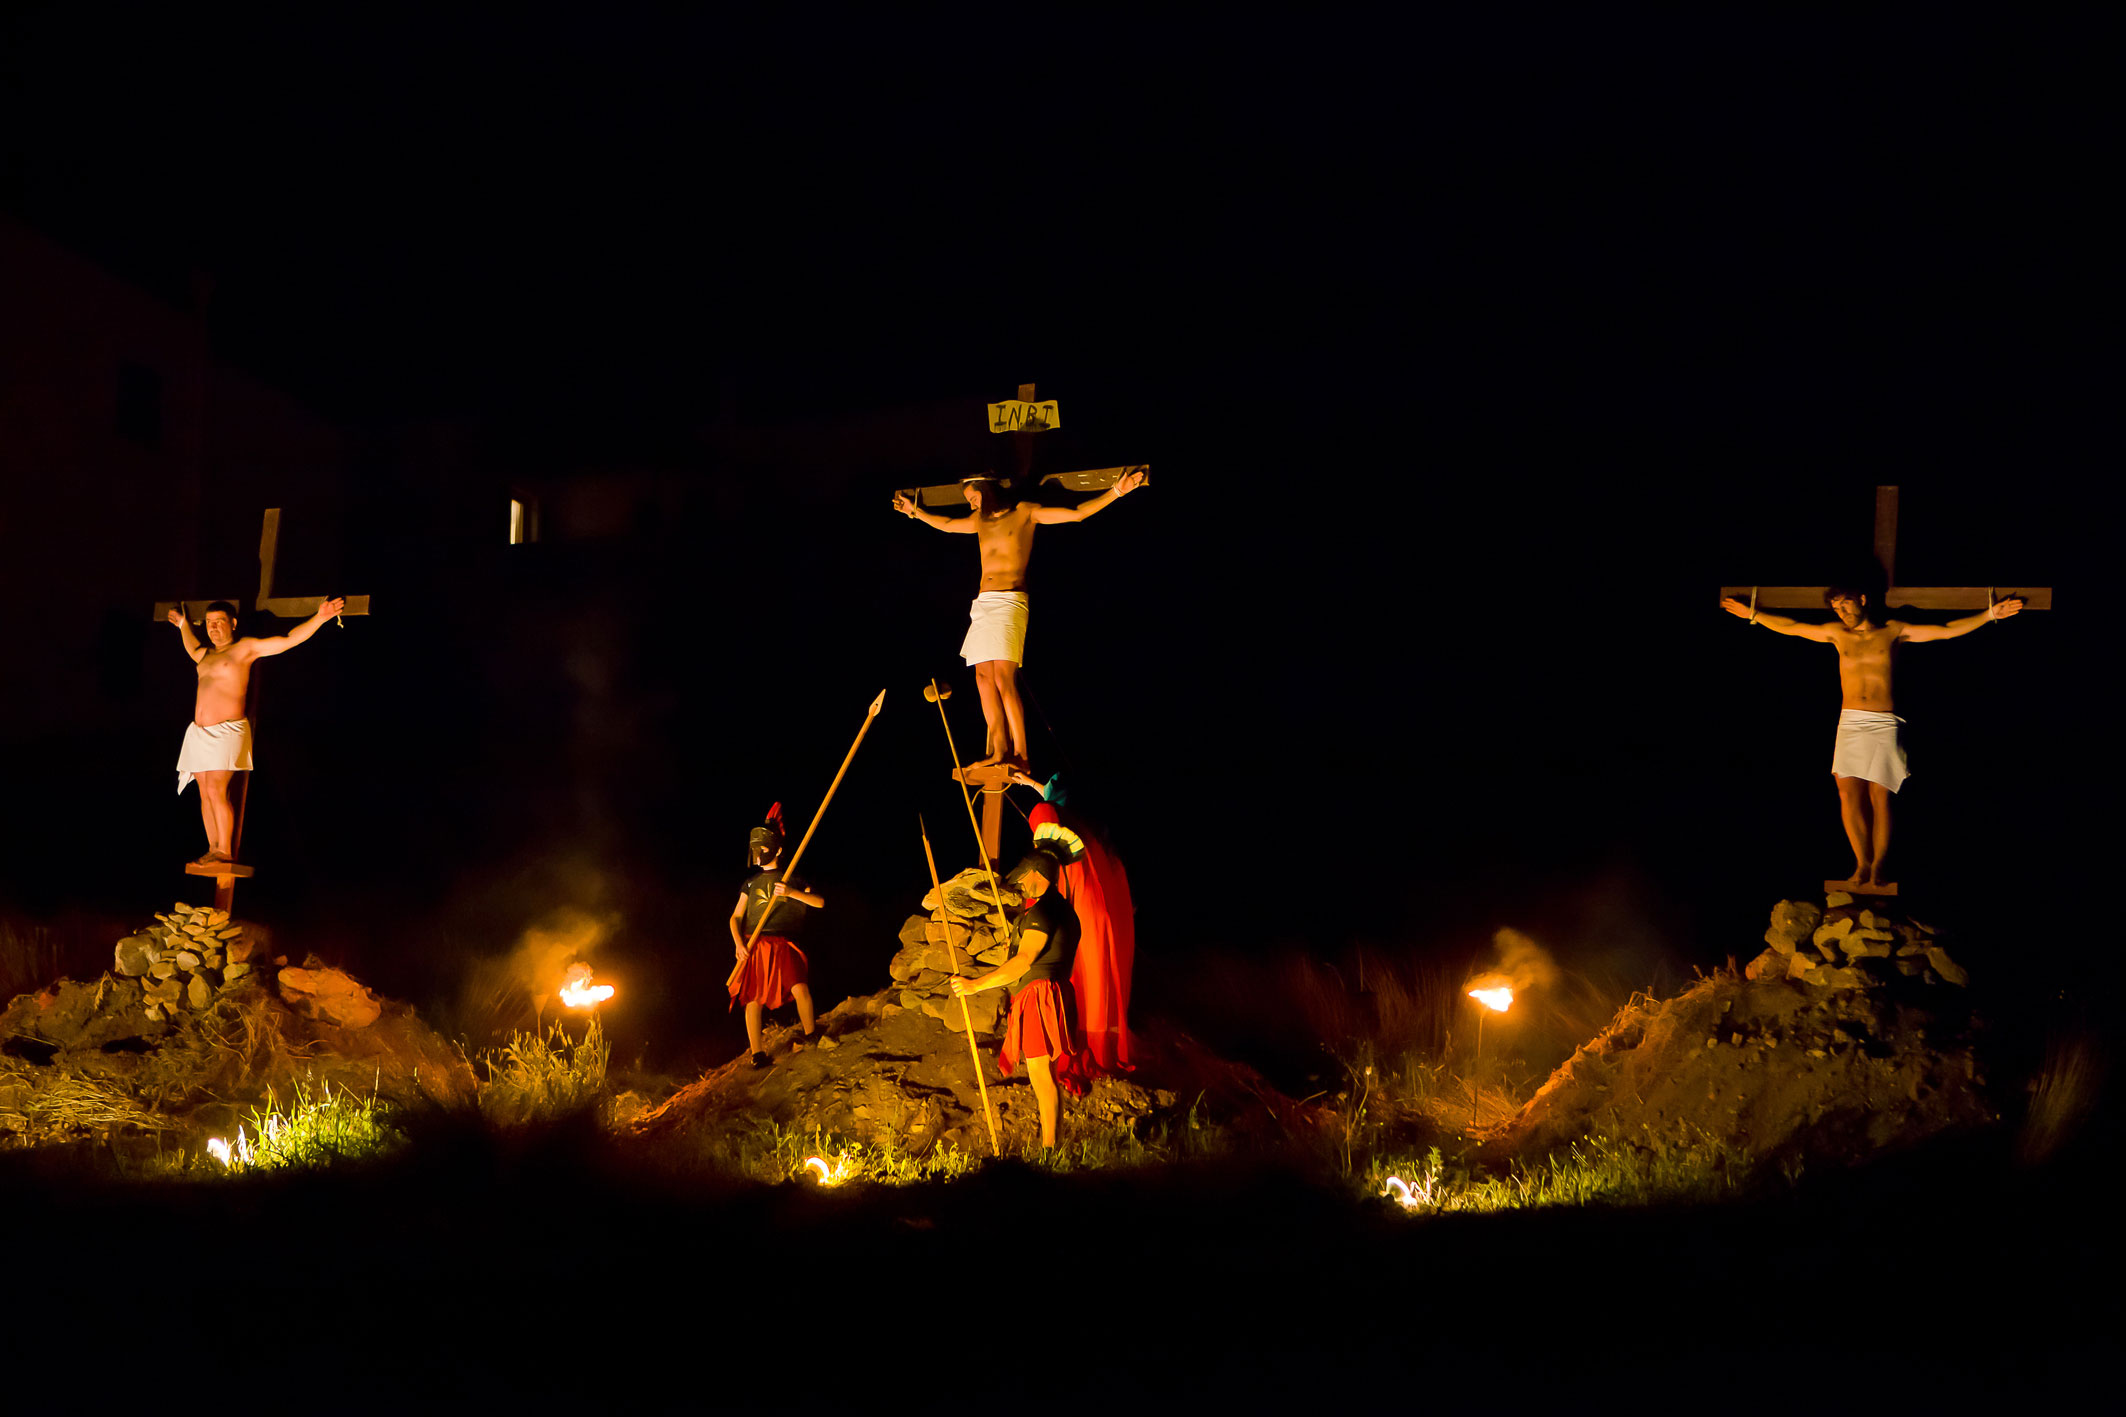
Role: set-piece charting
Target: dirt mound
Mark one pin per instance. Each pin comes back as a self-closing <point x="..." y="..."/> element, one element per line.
<point x="1846" y="1037"/>
<point x="890" y="1074"/>
<point x="110" y="1056"/>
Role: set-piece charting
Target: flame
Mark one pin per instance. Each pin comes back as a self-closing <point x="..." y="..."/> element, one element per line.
<point x="578" y="992"/>
<point x="1400" y="1189"/>
<point x="218" y="1149"/>
<point x="828" y="1175"/>
<point x="1497" y="1000"/>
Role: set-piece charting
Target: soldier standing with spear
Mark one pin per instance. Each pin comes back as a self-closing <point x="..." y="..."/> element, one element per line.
<point x="757" y="975"/>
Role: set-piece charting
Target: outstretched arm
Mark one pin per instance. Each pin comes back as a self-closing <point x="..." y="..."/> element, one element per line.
<point x="1920" y="634"/>
<point x="281" y="644"/>
<point x="1779" y="624"/>
<point x="907" y="506"/>
<point x="1130" y="482"/>
<point x="184" y="627"/>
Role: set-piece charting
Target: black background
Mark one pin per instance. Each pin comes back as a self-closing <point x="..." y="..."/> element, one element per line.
<point x="1470" y="364"/>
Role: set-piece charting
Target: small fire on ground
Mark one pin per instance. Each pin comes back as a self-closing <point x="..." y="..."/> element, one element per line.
<point x="578" y="992"/>
<point x="828" y="1175"/>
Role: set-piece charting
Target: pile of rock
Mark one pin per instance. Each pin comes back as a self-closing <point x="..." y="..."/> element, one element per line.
<point x="962" y="934"/>
<point x="185" y="959"/>
<point x="1841" y="946"/>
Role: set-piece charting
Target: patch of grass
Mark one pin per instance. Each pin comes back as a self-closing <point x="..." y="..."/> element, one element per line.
<point x="1593" y="1171"/>
<point x="330" y="1129"/>
<point x="543" y="1076"/>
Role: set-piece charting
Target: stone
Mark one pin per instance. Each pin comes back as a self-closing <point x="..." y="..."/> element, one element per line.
<point x="1946" y="967"/>
<point x="212" y="959"/>
<point x="1838" y="898"/>
<point x="1836" y="930"/>
<point x="982" y="1008"/>
<point x="903" y="966"/>
<point x="948" y="932"/>
<point x="1858" y="948"/>
<point x="1769" y="964"/>
<point x="1799" y="965"/>
<point x="187" y="961"/>
<point x="235" y="972"/>
<point x="331" y="995"/>
<point x="163" y="969"/>
<point x="913" y="931"/>
<point x="133" y="955"/>
<point x="154" y="1013"/>
<point x="199" y="992"/>
<point x="994" y="955"/>
<point x="1792" y="922"/>
<point x="1843" y="977"/>
<point x="1909" y="967"/>
<point x="238" y="950"/>
<point x="1869" y="920"/>
<point x="911" y="1000"/>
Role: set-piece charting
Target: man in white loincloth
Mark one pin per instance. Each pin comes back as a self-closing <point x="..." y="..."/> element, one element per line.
<point x="996" y="635"/>
<point x="1868" y="762"/>
<point x="218" y="740"/>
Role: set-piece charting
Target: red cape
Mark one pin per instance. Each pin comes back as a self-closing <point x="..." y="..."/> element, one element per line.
<point x="1098" y="889"/>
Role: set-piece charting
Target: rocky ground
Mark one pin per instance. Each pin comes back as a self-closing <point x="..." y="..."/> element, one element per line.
<point x="1850" y="1035"/>
<point x="168" y="1042"/>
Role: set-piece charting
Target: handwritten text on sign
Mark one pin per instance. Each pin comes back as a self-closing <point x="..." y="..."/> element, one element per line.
<point x="1019" y="416"/>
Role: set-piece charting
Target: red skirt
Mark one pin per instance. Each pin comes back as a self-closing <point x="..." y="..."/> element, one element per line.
<point x="775" y="967"/>
<point x="1044" y="1023"/>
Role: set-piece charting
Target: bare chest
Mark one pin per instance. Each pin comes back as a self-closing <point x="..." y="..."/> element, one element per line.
<point x="1868" y="650"/>
<point x="221" y="668"/>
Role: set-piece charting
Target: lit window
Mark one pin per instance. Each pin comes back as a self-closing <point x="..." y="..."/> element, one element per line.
<point x="516" y="521"/>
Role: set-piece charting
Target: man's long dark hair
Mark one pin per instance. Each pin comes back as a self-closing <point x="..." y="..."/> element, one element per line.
<point x="997" y="496"/>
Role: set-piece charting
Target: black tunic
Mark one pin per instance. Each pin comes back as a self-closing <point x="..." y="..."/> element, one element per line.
<point x="1058" y="919"/>
<point x="788" y="916"/>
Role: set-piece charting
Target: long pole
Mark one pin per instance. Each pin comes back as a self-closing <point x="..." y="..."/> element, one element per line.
<point x="937" y="696"/>
<point x="768" y="908"/>
<point x="974" y="1054"/>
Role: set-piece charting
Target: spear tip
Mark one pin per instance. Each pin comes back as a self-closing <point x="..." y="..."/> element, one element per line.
<point x="877" y="704"/>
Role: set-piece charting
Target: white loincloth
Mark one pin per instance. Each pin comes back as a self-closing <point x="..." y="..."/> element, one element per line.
<point x="996" y="627"/>
<point x="1868" y="748"/>
<point x="220" y="747"/>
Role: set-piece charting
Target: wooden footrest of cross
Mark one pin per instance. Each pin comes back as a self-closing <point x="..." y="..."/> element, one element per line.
<point x="220" y="870"/>
<point x="1856" y="888"/>
<point x="995" y="777"/>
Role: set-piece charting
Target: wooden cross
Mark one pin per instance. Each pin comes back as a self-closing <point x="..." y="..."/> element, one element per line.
<point x="1800" y="597"/>
<point x="289" y="607"/>
<point x="1022" y="418"/>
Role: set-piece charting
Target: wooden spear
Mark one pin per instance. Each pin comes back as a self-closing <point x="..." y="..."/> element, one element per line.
<point x="938" y="696"/>
<point x="769" y="907"/>
<point x="966" y="1015"/>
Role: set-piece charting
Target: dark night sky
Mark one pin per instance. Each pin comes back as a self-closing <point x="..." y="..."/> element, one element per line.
<point x="1471" y="364"/>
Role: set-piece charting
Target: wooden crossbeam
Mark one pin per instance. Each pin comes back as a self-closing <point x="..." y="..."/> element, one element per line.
<point x="287" y="607"/>
<point x="1092" y="479"/>
<point x="1810" y="597"/>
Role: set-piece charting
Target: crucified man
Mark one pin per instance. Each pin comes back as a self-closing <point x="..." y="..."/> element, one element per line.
<point x="1868" y="763"/>
<point x="996" y="635"/>
<point x="218" y="740"/>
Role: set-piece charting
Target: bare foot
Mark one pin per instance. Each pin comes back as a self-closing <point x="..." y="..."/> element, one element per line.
<point x="214" y="858"/>
<point x="989" y="762"/>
